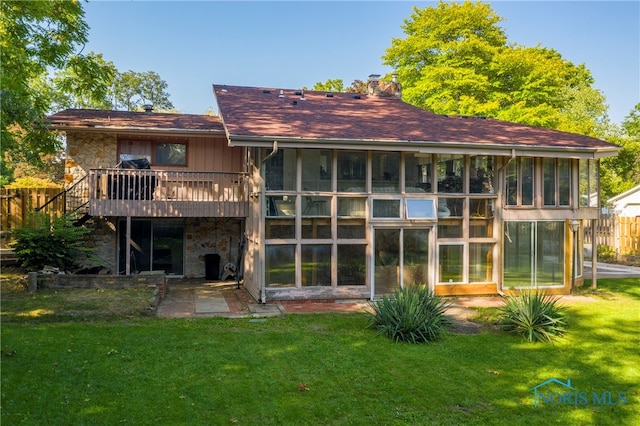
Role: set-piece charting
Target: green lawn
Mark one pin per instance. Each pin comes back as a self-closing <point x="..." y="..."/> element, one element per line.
<point x="324" y="369"/>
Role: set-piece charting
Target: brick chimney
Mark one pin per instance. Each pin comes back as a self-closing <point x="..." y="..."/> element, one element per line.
<point x="384" y="89"/>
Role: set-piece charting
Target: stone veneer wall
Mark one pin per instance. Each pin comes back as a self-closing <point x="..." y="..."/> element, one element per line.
<point x="89" y="151"/>
<point x="210" y="235"/>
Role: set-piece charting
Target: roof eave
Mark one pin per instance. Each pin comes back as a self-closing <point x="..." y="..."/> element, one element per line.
<point x="138" y="130"/>
<point x="425" y="147"/>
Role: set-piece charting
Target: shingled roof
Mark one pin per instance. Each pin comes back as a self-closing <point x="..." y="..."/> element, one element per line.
<point x="107" y="120"/>
<point x="251" y="114"/>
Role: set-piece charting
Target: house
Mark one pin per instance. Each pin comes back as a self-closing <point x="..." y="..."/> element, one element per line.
<point x="354" y="196"/>
<point x="338" y="195"/>
<point x="626" y="204"/>
<point x="162" y="191"/>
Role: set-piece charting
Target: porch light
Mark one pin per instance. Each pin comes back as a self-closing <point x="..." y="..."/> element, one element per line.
<point x="574" y="224"/>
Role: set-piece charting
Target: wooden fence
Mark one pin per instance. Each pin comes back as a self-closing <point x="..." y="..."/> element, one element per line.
<point x="16" y="205"/>
<point x="618" y="233"/>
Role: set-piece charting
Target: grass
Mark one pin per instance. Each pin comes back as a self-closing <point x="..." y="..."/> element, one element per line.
<point x="324" y="369"/>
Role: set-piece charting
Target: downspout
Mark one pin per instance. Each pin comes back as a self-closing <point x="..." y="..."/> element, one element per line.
<point x="263" y="214"/>
<point x="273" y="152"/>
<point x="504" y="166"/>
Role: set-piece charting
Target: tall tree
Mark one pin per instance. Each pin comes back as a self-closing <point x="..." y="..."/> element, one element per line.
<point x="456" y="60"/>
<point x="622" y="172"/>
<point x="36" y="36"/>
<point x="134" y="89"/>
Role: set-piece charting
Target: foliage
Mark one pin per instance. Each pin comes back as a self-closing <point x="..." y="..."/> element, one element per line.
<point x="412" y="314"/>
<point x="621" y="173"/>
<point x="535" y="316"/>
<point x="335" y="85"/>
<point x="456" y="60"/>
<point x="606" y="253"/>
<point x="50" y="242"/>
<point x="132" y="90"/>
<point x="32" y="182"/>
<point x="36" y="36"/>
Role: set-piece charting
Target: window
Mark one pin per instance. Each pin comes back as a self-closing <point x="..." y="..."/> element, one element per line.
<point x="589" y="196"/>
<point x="481" y="174"/>
<point x="280" y="265"/>
<point x="170" y="154"/>
<point x="352" y="166"/>
<point x="385" y="172"/>
<point x="418" y="173"/>
<point x="280" y="170"/>
<point x="450" y="173"/>
<point x="533" y="254"/>
<point x="451" y="263"/>
<point x="420" y="208"/>
<point x="519" y="182"/>
<point x="316" y="170"/>
<point x="316" y="264"/>
<point x="386" y="209"/>
<point x="556" y="181"/>
<point x="352" y="263"/>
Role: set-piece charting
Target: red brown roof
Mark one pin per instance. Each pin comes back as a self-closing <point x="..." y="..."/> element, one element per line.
<point x="252" y="112"/>
<point x="105" y="119"/>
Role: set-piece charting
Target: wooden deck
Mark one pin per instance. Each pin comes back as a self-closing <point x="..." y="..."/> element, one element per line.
<point x="153" y="193"/>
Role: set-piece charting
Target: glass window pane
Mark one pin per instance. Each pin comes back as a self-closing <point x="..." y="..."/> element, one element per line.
<point x="594" y="193"/>
<point x="526" y="181"/>
<point x="518" y="254"/>
<point x="480" y="262"/>
<point x="481" y="221"/>
<point x="512" y="183"/>
<point x="416" y="257"/>
<point x="450" y="263"/>
<point x="351" y="228"/>
<point x="583" y="166"/>
<point x="386" y="208"/>
<point x="385" y="172"/>
<point x="450" y="173"/>
<point x="450" y="228"/>
<point x="549" y="181"/>
<point x="280" y="170"/>
<point x="171" y="154"/>
<point x="280" y="228"/>
<point x="387" y="261"/>
<point x="316" y="170"/>
<point x="316" y="206"/>
<point x="316" y="228"/>
<point x="316" y="265"/>
<point x="450" y="207"/>
<point x="280" y="266"/>
<point x="352" y="207"/>
<point x="564" y="182"/>
<point x="481" y="174"/>
<point x="420" y="209"/>
<point x="352" y="166"/>
<point x="418" y="173"/>
<point x="550" y="253"/>
<point x="281" y="205"/>
<point x="352" y="264"/>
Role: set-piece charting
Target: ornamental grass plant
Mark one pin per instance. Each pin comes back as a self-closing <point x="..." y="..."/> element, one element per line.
<point x="534" y="315"/>
<point x="412" y="314"/>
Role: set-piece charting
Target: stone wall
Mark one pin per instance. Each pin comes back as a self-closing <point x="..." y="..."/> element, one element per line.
<point x="156" y="279"/>
<point x="210" y="235"/>
<point x="89" y="151"/>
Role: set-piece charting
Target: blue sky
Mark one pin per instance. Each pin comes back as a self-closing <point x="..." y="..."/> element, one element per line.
<point x="295" y="44"/>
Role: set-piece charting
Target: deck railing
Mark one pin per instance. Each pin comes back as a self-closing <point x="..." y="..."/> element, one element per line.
<point x="162" y="193"/>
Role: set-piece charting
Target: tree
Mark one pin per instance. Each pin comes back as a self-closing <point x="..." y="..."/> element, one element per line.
<point x="457" y="60"/>
<point x="621" y="173"/>
<point x="330" y="86"/>
<point x="133" y="89"/>
<point x="36" y="36"/>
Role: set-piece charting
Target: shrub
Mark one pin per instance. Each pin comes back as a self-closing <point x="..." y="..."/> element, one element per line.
<point x="49" y="242"/>
<point x="412" y="314"/>
<point x="535" y="316"/>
